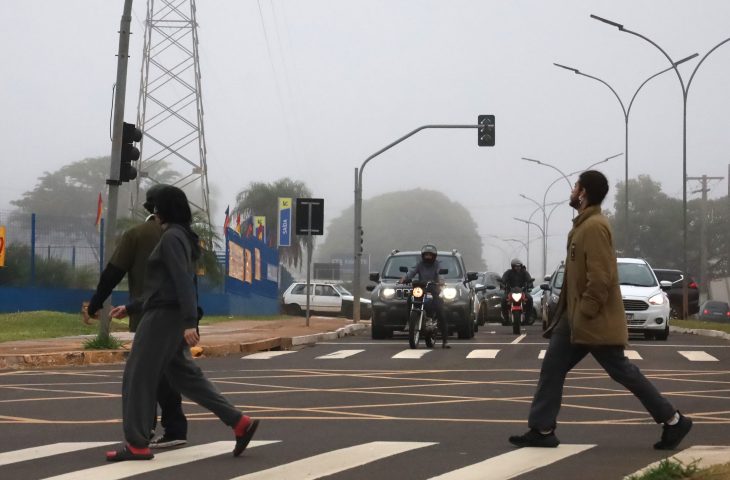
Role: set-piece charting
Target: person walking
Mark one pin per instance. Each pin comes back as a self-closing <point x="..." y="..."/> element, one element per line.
<point x="167" y="329"/>
<point x="130" y="258"/>
<point x="590" y="319"/>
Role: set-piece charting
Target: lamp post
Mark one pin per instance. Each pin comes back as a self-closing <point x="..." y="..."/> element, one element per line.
<point x="357" y="214"/>
<point x="544" y="241"/>
<point x="685" y="92"/>
<point x="528" y="223"/>
<point x="626" y="111"/>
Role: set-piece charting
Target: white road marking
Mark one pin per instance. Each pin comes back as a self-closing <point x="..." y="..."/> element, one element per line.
<point x="114" y="471"/>
<point x="483" y="353"/>
<point x="697" y="356"/>
<point x="33" y="453"/>
<point x="707" y="456"/>
<point x="541" y="355"/>
<point x="340" y="354"/>
<point x="411" y="353"/>
<point x="632" y="355"/>
<point x="267" y="355"/>
<point x="335" y="461"/>
<point x="519" y="339"/>
<point x="514" y="463"/>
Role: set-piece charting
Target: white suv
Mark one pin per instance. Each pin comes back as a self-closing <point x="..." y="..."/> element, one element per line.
<point x="645" y="301"/>
<point x="328" y="298"/>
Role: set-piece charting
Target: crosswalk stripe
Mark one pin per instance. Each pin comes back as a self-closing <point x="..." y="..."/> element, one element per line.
<point x="34" y="453"/>
<point x="541" y="355"/>
<point x="339" y="354"/>
<point x="697" y="356"/>
<point x="483" y="353"/>
<point x="267" y="355"/>
<point x="519" y="339"/>
<point x="335" y="461"/>
<point x="411" y="353"/>
<point x="114" y="471"/>
<point x="632" y="355"/>
<point x="514" y="463"/>
<point x="705" y="455"/>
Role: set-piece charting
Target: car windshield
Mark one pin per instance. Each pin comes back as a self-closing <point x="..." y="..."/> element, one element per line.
<point x="392" y="266"/>
<point x="636" y="274"/>
<point x="716" y="306"/>
<point x="341" y="289"/>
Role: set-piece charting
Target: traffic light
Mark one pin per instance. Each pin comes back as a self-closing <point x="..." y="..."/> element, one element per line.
<point x="485" y="132"/>
<point x="130" y="153"/>
<point x="362" y="236"/>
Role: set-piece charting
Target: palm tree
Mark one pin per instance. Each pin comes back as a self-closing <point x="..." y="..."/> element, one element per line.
<point x="261" y="198"/>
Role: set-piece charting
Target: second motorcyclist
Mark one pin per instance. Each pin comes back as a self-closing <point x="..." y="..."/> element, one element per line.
<point x="516" y="276"/>
<point x="427" y="270"/>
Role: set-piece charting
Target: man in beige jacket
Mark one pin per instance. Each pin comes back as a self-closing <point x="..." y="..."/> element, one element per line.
<point x="590" y="318"/>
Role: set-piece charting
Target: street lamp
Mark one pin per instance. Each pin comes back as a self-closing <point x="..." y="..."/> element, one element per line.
<point x="528" y="223"/>
<point x="563" y="175"/>
<point x="543" y="229"/>
<point x="685" y="92"/>
<point x="626" y="111"/>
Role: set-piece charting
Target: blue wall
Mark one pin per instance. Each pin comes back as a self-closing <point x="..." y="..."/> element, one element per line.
<point x="16" y="299"/>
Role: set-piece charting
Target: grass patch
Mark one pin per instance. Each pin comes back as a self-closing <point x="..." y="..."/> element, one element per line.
<point x="44" y="324"/>
<point x="224" y="318"/>
<point x="99" y="343"/>
<point x="668" y="469"/>
<point x="699" y="324"/>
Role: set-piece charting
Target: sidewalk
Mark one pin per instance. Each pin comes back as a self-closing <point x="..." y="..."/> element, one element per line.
<point x="225" y="338"/>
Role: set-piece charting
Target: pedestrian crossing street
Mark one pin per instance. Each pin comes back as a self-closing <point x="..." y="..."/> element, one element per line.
<point x="480" y="353"/>
<point x="510" y="464"/>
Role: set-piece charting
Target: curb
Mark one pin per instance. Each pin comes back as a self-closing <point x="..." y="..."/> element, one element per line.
<point x="96" y="357"/>
<point x="700" y="331"/>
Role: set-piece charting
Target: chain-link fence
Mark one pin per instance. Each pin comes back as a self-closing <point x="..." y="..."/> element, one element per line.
<point x="51" y="251"/>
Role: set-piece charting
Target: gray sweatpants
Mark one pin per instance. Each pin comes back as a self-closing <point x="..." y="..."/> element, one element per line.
<point x="562" y="356"/>
<point x="159" y="348"/>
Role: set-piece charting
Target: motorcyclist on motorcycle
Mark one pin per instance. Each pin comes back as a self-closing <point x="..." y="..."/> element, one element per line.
<point x="427" y="270"/>
<point x="517" y="276"/>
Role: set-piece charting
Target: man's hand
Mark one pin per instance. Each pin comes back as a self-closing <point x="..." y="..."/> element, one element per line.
<point x="85" y="317"/>
<point x="118" y="312"/>
<point x="191" y="336"/>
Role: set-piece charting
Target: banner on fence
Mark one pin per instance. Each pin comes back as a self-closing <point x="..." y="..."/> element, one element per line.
<point x="2" y="246"/>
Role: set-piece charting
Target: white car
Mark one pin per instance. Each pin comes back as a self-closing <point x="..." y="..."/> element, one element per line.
<point x="328" y="298"/>
<point x="645" y="300"/>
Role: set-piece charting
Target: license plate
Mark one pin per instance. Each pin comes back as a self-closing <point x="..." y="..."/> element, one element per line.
<point x="629" y="317"/>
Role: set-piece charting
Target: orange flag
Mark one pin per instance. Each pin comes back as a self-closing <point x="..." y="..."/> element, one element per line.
<point x="99" y="209"/>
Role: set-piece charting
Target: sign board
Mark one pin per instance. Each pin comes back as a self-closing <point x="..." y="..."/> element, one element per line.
<point x="307" y="225"/>
<point x="284" y="233"/>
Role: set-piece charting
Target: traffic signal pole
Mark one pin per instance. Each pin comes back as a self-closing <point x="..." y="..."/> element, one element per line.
<point x="113" y="180"/>
<point x="357" y="214"/>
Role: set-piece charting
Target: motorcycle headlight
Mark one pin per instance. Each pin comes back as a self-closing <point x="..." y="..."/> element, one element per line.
<point x="449" y="293"/>
<point x="657" y="299"/>
<point x="387" y="293"/>
<point x="516" y="297"/>
<point x="418" y="292"/>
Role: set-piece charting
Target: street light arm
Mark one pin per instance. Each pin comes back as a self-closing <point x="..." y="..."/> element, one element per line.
<point x="617" y="25"/>
<point x="656" y="75"/>
<point x="531" y="223"/>
<point x="626" y="112"/>
<point x="551" y="166"/>
<point x="689" y="82"/>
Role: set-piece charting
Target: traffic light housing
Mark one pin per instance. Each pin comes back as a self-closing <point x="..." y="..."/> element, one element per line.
<point x="485" y="132"/>
<point x="130" y="135"/>
<point x="362" y="237"/>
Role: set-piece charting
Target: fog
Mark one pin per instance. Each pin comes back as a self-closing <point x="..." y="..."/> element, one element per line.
<point x="309" y="89"/>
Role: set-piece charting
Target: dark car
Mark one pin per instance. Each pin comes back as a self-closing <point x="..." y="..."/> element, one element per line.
<point x="675" y="293"/>
<point x="551" y="290"/>
<point x="389" y="298"/>
<point x="715" y="311"/>
<point x="489" y="301"/>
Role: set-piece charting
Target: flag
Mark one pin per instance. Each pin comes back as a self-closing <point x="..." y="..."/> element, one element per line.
<point x="249" y="226"/>
<point x="260" y="227"/>
<point x="238" y="223"/>
<point x="227" y="221"/>
<point x="99" y="209"/>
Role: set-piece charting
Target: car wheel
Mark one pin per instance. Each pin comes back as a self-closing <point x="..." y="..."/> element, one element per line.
<point x="293" y="309"/>
<point x="467" y="331"/>
<point x="482" y="315"/>
<point x="664" y="335"/>
<point x="377" y="332"/>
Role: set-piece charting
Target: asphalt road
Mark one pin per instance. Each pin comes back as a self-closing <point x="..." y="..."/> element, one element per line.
<point x="353" y="409"/>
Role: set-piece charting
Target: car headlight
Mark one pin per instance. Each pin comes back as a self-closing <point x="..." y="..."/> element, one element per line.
<point x="387" y="293"/>
<point x="449" y="293"/>
<point x="418" y="292"/>
<point x="657" y="299"/>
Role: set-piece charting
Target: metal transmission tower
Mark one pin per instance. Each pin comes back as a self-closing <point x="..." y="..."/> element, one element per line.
<point x="170" y="104"/>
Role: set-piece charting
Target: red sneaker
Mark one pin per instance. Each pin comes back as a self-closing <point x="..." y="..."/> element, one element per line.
<point x="129" y="452"/>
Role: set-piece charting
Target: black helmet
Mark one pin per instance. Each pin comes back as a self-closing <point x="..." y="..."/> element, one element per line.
<point x="153" y="194"/>
<point x="516" y="263"/>
<point x="428" y="248"/>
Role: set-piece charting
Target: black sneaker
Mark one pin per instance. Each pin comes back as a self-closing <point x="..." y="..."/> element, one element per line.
<point x="167" y="442"/>
<point x="673" y="434"/>
<point x="533" y="438"/>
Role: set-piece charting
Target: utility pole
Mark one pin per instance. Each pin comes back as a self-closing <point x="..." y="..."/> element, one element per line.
<point x="703" y="231"/>
<point x="113" y="181"/>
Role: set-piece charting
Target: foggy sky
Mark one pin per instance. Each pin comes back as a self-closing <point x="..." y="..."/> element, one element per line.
<point x="339" y="79"/>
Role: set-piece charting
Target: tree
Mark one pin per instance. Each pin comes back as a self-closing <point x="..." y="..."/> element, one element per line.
<point x="262" y="199"/>
<point x="406" y="220"/>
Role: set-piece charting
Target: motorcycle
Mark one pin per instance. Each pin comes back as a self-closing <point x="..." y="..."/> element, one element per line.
<point x="422" y="314"/>
<point x="517" y="303"/>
